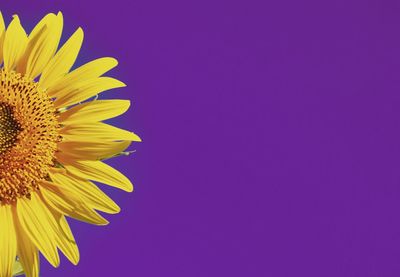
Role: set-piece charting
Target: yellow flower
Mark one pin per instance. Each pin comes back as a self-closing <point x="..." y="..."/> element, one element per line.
<point x="52" y="143"/>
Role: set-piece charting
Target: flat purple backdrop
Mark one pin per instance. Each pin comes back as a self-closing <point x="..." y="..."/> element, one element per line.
<point x="271" y="136"/>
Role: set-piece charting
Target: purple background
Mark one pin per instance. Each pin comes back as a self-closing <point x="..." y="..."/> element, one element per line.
<point x="271" y="136"/>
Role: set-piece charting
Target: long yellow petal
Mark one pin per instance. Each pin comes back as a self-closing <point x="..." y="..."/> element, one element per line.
<point x="27" y="251"/>
<point x="2" y="35"/>
<point x="65" y="239"/>
<point x="34" y="218"/>
<point x="15" y="42"/>
<point x="43" y="23"/>
<point x="88" y="150"/>
<point x="8" y="242"/>
<point x="38" y="32"/>
<point x="88" y="191"/>
<point x="67" y="203"/>
<point x="98" y="171"/>
<point x="42" y="44"/>
<point x="96" y="131"/>
<point x="62" y="62"/>
<point x="88" y="71"/>
<point x="83" y="90"/>
<point x="94" y="111"/>
<point x="62" y="234"/>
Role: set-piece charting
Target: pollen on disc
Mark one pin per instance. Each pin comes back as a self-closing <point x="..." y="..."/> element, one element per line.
<point x="29" y="133"/>
<point x="9" y="127"/>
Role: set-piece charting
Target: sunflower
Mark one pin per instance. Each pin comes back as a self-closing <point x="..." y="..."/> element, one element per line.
<point x="52" y="143"/>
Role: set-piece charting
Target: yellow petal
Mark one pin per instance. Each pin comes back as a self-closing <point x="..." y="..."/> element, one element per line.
<point x="88" y="150"/>
<point x="27" y="251"/>
<point x="34" y="217"/>
<point x="94" y="111"/>
<point x="86" y="72"/>
<point x="91" y="150"/>
<point x="44" y="22"/>
<point x="65" y="238"/>
<point x="38" y="31"/>
<point x="2" y="35"/>
<point x="61" y="232"/>
<point x="62" y="62"/>
<point x="67" y="203"/>
<point x="15" y="42"/>
<point x="83" y="90"/>
<point x="8" y="242"/>
<point x="98" y="171"/>
<point x="88" y="191"/>
<point x="42" y="44"/>
<point x="96" y="131"/>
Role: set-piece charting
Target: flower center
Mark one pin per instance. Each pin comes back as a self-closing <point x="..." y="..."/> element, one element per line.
<point x="9" y="127"/>
<point x="29" y="133"/>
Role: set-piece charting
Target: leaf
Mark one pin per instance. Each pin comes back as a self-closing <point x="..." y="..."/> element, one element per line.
<point x="17" y="269"/>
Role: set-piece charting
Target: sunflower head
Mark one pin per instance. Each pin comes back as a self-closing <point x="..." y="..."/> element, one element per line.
<point x="30" y="132"/>
<point x="53" y="143"/>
